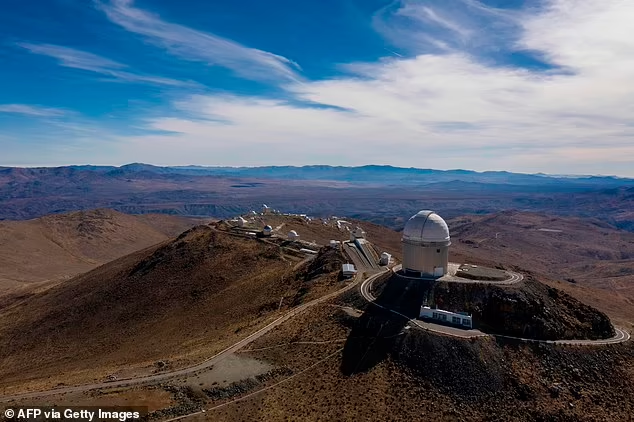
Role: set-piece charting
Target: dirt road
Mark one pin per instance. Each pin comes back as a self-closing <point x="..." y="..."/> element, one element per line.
<point x="152" y="379"/>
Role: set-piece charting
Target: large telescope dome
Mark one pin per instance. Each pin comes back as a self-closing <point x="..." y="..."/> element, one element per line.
<point x="426" y="227"/>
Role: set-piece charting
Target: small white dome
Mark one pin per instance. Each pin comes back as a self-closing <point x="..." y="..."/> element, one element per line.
<point x="426" y="227"/>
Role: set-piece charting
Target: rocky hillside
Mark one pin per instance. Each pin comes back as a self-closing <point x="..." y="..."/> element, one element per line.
<point x="59" y="246"/>
<point x="182" y="300"/>
<point x="387" y="372"/>
<point x="532" y="310"/>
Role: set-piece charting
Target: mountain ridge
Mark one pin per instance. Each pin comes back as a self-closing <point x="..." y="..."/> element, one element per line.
<point x="339" y="172"/>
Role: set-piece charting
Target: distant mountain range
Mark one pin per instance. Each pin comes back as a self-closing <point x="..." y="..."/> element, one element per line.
<point x="370" y="174"/>
<point x="382" y="194"/>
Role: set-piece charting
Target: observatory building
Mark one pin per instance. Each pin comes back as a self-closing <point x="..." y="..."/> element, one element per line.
<point x="425" y="246"/>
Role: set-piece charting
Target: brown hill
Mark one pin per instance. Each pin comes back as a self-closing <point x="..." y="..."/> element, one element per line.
<point x="183" y="299"/>
<point x="553" y="244"/>
<point x="591" y="259"/>
<point x="530" y="310"/>
<point x="341" y="360"/>
<point x="345" y="364"/>
<point x="59" y="246"/>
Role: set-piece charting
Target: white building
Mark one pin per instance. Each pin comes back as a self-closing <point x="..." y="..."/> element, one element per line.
<point x="265" y="209"/>
<point x="385" y="259"/>
<point x="426" y="246"/>
<point x="241" y="222"/>
<point x="348" y="270"/>
<point x="266" y="231"/>
<point x="292" y="235"/>
<point x="357" y="233"/>
<point x="456" y="318"/>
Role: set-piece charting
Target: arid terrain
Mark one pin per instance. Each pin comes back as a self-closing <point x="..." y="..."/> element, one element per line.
<point x="380" y="194"/>
<point x="183" y="300"/>
<point x="588" y="258"/>
<point x="57" y="247"/>
<point x="180" y="300"/>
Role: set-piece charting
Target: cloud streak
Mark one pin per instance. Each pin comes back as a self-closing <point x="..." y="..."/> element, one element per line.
<point x="77" y="59"/>
<point x="429" y="26"/>
<point x="193" y="45"/>
<point x="32" y="110"/>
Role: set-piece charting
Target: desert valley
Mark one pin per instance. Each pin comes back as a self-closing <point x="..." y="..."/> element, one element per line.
<point x="249" y="317"/>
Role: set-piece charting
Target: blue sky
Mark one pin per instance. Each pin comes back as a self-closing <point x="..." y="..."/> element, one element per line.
<point x="527" y="86"/>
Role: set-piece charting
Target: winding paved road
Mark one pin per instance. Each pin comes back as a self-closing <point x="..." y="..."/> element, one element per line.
<point x="621" y="335"/>
<point x="366" y="292"/>
<point x="514" y="278"/>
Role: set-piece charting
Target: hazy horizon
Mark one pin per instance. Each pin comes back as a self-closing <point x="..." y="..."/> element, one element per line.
<point x="575" y="175"/>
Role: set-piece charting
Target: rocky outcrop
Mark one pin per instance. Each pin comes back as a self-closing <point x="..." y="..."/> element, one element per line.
<point x="530" y="310"/>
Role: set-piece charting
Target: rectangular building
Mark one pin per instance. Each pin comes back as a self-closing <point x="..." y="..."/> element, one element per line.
<point x="348" y="270"/>
<point x="455" y="318"/>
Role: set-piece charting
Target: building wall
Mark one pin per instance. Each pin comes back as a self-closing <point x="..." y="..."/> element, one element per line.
<point x="424" y="259"/>
<point x="465" y="321"/>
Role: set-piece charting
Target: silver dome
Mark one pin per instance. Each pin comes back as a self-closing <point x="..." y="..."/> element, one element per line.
<point x="426" y="227"/>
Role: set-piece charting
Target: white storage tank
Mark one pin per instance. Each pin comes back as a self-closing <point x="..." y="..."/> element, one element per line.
<point x="385" y="258"/>
<point x="292" y="235"/>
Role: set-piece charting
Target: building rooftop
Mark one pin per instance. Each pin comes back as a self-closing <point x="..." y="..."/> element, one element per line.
<point x="348" y="268"/>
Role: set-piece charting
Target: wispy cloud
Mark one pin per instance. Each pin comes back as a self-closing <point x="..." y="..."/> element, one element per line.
<point x="426" y="15"/>
<point x="435" y="109"/>
<point x="438" y="109"/>
<point x="77" y="59"/>
<point x="430" y="26"/>
<point x="32" y="110"/>
<point x="193" y="45"/>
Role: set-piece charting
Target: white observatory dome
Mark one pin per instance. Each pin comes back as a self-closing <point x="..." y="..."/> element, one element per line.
<point x="426" y="227"/>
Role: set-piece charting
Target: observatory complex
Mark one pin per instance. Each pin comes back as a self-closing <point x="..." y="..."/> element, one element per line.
<point x="426" y="246"/>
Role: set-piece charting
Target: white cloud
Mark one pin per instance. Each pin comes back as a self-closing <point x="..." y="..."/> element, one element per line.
<point x="438" y="110"/>
<point x="583" y="35"/>
<point x="190" y="44"/>
<point x="77" y="59"/>
<point x="32" y="110"/>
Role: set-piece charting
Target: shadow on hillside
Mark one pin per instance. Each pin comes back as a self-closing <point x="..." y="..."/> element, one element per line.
<point x="378" y="331"/>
